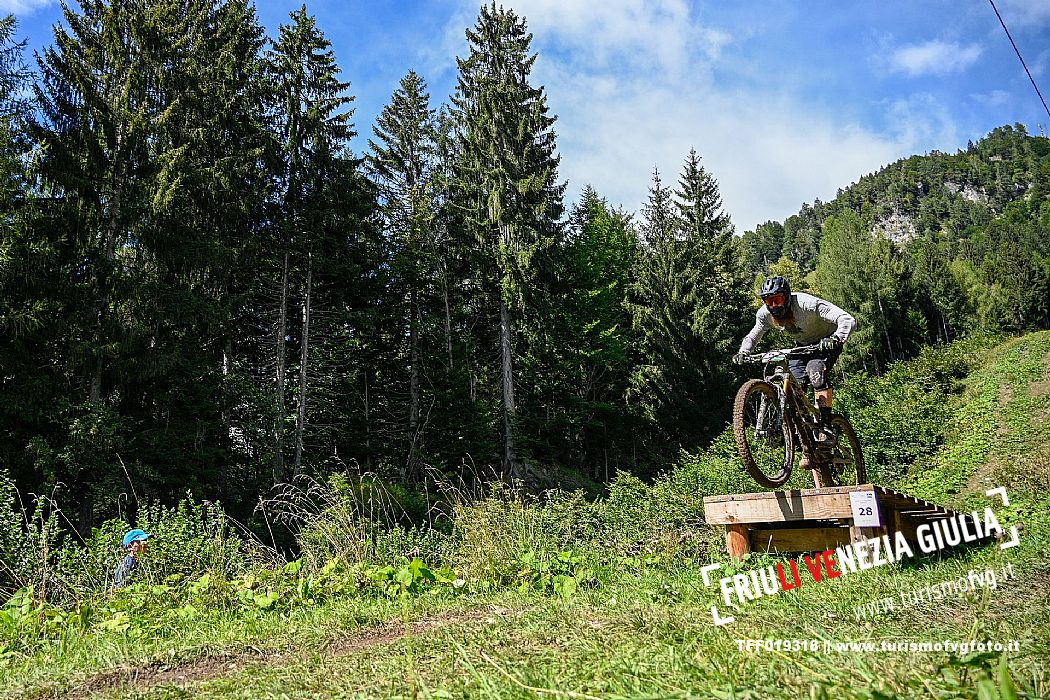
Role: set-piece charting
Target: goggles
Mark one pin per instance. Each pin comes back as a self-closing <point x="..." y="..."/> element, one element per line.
<point x="774" y="300"/>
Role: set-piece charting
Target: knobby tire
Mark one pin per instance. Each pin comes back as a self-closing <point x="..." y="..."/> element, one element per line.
<point x="847" y="433"/>
<point x="740" y="433"/>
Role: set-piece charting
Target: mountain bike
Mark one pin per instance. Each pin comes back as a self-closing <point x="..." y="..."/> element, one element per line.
<point x="773" y="416"/>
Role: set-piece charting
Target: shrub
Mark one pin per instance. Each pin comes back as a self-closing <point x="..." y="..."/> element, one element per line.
<point x="901" y="415"/>
<point x="36" y="554"/>
<point x="491" y="533"/>
<point x="28" y="540"/>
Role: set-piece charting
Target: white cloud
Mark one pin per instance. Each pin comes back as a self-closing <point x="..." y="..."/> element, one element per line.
<point x="995" y="98"/>
<point x="934" y="58"/>
<point x="633" y="85"/>
<point x="656" y="35"/>
<point x="440" y="55"/>
<point x="1024" y="13"/>
<point x="22" y="7"/>
<point x="921" y="120"/>
<point x="1040" y="64"/>
<point x="769" y="154"/>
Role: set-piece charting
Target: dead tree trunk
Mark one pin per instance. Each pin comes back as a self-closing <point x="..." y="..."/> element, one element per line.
<point x="411" y="472"/>
<point x="279" y="384"/>
<point x="885" y="327"/>
<point x="300" y="418"/>
<point x="448" y="315"/>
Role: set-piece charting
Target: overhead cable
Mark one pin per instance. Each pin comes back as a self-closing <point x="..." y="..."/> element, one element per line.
<point x="992" y="2"/>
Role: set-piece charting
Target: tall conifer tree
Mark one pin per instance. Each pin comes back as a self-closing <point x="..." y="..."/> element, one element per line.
<point x="402" y="161"/>
<point x="507" y="172"/>
<point x="29" y="299"/>
<point x="722" y="312"/>
<point x="585" y="361"/>
<point x="150" y="118"/>
<point x="689" y="306"/>
<point x="313" y="128"/>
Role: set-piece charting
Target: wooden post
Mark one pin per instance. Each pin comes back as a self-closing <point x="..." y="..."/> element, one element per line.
<point x="817" y="481"/>
<point x="896" y="520"/>
<point x="737" y="540"/>
<point x="865" y="533"/>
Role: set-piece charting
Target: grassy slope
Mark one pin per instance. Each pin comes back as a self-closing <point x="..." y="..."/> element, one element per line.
<point x="644" y="629"/>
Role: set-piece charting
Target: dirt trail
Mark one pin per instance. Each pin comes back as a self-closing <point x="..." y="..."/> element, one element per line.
<point x="138" y="678"/>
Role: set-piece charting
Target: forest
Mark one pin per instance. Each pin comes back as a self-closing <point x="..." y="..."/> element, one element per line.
<point x="204" y="289"/>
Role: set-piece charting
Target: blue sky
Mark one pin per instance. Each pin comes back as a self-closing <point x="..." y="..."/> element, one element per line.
<point x="785" y="101"/>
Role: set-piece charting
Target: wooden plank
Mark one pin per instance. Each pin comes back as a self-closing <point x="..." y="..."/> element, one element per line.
<point x="798" y="539"/>
<point x="737" y="542"/>
<point x="780" y="506"/>
<point x="908" y="527"/>
<point x="901" y="511"/>
<point x="760" y="495"/>
<point x="926" y="515"/>
<point x="904" y="502"/>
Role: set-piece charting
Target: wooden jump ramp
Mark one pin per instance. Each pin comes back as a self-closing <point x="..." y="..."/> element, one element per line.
<point x="810" y="520"/>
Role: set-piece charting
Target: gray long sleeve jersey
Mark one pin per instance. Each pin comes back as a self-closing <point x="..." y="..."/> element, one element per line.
<point x="813" y="318"/>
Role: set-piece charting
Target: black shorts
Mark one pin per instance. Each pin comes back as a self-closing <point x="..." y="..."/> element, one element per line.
<point x="814" y="369"/>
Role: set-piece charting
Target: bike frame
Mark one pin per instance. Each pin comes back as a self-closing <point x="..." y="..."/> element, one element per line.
<point x="794" y="404"/>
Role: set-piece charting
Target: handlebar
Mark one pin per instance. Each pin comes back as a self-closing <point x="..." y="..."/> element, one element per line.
<point x="782" y="354"/>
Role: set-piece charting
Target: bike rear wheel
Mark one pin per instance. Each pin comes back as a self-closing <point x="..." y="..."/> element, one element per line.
<point x="847" y="460"/>
<point x="763" y="433"/>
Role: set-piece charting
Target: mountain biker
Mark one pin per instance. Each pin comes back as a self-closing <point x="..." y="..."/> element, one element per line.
<point x="808" y="320"/>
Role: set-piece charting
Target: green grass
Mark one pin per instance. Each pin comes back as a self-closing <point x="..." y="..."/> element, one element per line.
<point x="636" y="621"/>
<point x="648" y="634"/>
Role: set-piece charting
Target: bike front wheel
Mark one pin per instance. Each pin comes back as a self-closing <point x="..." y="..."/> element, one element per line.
<point x="847" y="461"/>
<point x="763" y="433"/>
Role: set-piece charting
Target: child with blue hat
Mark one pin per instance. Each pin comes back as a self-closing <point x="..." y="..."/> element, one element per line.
<point x="134" y="545"/>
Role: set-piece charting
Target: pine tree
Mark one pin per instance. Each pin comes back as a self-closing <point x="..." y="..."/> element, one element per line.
<point x="204" y="240"/>
<point x="507" y="174"/>
<point x="661" y="304"/>
<point x="939" y="293"/>
<point x="866" y="276"/>
<point x="763" y="246"/>
<point x="99" y="107"/>
<point x="313" y="128"/>
<point x="699" y="203"/>
<point x="660" y="221"/>
<point x="149" y="122"/>
<point x="402" y="163"/>
<point x="591" y="340"/>
<point x="29" y="299"/>
<point x="689" y="305"/>
<point x="723" y="309"/>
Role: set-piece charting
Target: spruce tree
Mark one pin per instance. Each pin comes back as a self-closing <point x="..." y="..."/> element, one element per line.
<point x="689" y="306"/>
<point x="867" y="276"/>
<point x="722" y="313"/>
<point x="402" y="161"/>
<point x="100" y="104"/>
<point x="588" y="356"/>
<point x="149" y="119"/>
<point x="507" y="175"/>
<point x="30" y="294"/>
<point x="313" y="125"/>
<point x="661" y="303"/>
<point x="207" y="216"/>
<point x="699" y="203"/>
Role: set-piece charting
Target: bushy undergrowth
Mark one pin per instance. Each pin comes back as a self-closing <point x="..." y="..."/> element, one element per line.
<point x="189" y="539"/>
<point x="901" y="415"/>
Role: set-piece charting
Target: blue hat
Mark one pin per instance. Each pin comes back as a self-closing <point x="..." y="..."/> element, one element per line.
<point x="135" y="536"/>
